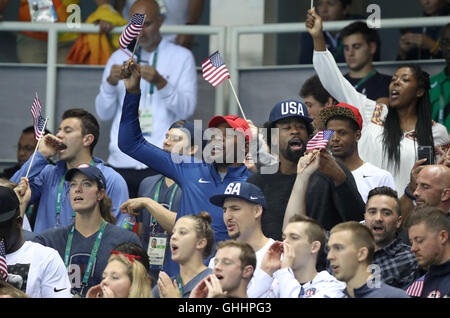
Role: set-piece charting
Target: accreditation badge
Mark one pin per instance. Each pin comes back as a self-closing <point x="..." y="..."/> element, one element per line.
<point x="157" y="249"/>
<point x="146" y="121"/>
<point x="42" y="11"/>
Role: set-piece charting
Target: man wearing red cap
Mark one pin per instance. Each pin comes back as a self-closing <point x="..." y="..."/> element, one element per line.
<point x="346" y="121"/>
<point x="199" y="180"/>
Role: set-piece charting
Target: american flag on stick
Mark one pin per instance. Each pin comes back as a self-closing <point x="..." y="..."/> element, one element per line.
<point x="39" y="121"/>
<point x="132" y="30"/>
<point x="214" y="69"/>
<point x="3" y="264"/>
<point x="320" y="140"/>
<point x="415" y="289"/>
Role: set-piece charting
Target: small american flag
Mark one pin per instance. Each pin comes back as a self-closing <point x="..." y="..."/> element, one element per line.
<point x="3" y="265"/>
<point x="320" y="140"/>
<point x="214" y="69"/>
<point x="132" y="30"/>
<point x="415" y="289"/>
<point x="39" y="121"/>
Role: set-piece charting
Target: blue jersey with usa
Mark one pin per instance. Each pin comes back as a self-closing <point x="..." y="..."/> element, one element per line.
<point x="199" y="180"/>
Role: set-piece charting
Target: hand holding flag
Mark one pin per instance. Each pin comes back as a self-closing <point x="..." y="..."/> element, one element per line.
<point x="320" y="140"/>
<point x="39" y="121"/>
<point x="39" y="126"/>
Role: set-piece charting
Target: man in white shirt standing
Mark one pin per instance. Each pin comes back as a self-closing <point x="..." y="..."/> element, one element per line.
<point x="243" y="205"/>
<point x="168" y="86"/>
<point x="295" y="275"/>
<point x="346" y="121"/>
<point x="33" y="268"/>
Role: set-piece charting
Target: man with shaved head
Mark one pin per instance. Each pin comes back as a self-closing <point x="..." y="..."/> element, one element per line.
<point x="168" y="84"/>
<point x="433" y="187"/>
<point x="429" y="185"/>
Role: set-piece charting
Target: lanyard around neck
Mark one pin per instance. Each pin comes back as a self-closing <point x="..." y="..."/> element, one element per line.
<point x="180" y="286"/>
<point x="59" y="195"/>
<point x="154" y="62"/>
<point x="365" y="79"/>
<point x="94" y="251"/>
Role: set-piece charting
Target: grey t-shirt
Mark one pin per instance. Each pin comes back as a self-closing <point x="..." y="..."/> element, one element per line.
<point x="81" y="250"/>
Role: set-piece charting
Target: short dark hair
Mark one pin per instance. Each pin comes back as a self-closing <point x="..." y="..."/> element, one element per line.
<point x="353" y="124"/>
<point x="388" y="192"/>
<point x="370" y="35"/>
<point x="313" y="87"/>
<point x="434" y="219"/>
<point x="89" y="124"/>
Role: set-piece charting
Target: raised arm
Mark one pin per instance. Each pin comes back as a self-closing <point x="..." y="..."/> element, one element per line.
<point x="130" y="140"/>
<point x="329" y="74"/>
<point x="163" y="216"/>
<point x="306" y="166"/>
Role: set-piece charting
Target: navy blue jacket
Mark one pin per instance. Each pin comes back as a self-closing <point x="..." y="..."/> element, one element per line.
<point x="437" y="281"/>
<point x="199" y="180"/>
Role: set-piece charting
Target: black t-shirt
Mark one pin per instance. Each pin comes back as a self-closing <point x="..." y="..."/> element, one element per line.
<point x="375" y="87"/>
<point x="325" y="202"/>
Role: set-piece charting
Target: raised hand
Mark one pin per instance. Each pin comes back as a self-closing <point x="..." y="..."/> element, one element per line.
<point x="49" y="145"/>
<point x="95" y="292"/>
<point x="23" y="192"/>
<point x="132" y="206"/>
<point x="288" y="256"/>
<point x="313" y="23"/>
<point x="131" y="75"/>
<point x="272" y="259"/>
<point x="213" y="285"/>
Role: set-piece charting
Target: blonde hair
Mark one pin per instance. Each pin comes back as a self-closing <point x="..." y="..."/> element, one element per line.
<point x="138" y="275"/>
<point x="361" y="236"/>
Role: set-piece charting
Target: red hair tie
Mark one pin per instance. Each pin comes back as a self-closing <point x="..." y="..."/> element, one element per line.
<point x="130" y="257"/>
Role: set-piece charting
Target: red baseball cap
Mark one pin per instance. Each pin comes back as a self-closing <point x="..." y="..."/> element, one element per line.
<point x="341" y="109"/>
<point x="235" y="122"/>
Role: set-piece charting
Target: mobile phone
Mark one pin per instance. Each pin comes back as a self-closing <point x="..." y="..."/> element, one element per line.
<point x="425" y="152"/>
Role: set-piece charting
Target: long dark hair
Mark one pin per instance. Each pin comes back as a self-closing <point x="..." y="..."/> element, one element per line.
<point x="393" y="134"/>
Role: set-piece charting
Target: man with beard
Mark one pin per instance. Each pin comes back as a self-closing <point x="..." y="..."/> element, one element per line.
<point x="229" y="143"/>
<point x="332" y="196"/>
<point x="243" y="205"/>
<point x="397" y="265"/>
<point x="428" y="230"/>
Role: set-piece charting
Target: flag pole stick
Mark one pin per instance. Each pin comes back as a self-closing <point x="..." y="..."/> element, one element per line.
<point x="312" y="4"/>
<point x="237" y="99"/>
<point x="137" y="41"/>
<point x="37" y="146"/>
